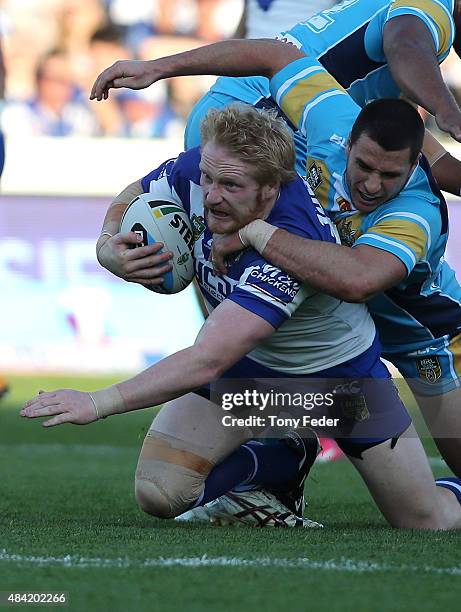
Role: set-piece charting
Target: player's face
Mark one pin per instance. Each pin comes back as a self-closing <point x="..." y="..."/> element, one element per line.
<point x="231" y="196"/>
<point x="375" y="175"/>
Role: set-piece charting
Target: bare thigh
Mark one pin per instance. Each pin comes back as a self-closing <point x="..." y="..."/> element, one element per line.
<point x="403" y="487"/>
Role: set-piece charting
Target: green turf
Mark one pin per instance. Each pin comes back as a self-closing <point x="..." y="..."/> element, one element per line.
<point x="69" y="491"/>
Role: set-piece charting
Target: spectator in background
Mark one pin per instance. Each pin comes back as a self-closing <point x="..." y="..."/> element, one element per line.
<point x="106" y="45"/>
<point x="57" y="109"/>
<point x="147" y="116"/>
<point x="92" y="34"/>
<point x="77" y="20"/>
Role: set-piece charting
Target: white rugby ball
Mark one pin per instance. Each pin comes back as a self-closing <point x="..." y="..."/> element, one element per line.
<point x="167" y="222"/>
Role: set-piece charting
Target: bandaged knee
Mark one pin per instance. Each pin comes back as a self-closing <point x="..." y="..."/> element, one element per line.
<point x="185" y="442"/>
<point x="168" y="479"/>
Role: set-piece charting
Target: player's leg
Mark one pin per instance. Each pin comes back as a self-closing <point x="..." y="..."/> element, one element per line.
<point x="434" y="376"/>
<point x="190" y="458"/>
<point x="442" y="414"/>
<point x="185" y="441"/>
<point x="401" y="482"/>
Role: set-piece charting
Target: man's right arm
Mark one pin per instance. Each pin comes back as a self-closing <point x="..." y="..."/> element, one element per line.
<point x="262" y="57"/>
<point x="352" y="275"/>
<point x="413" y="61"/>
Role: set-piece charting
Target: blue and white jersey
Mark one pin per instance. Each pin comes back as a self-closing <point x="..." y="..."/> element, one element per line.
<point x="313" y="331"/>
<point x="413" y="226"/>
<point x="347" y="39"/>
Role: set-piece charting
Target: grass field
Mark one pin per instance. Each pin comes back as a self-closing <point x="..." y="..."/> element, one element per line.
<point x="69" y="522"/>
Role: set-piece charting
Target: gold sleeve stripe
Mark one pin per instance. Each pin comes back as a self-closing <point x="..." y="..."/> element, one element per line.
<point x="407" y="232"/>
<point x="437" y="13"/>
<point x="305" y="91"/>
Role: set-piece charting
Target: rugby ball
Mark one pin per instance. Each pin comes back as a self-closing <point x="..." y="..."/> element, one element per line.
<point x="167" y="222"/>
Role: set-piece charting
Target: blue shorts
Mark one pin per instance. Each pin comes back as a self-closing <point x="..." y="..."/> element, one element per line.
<point x="372" y="413"/>
<point x="433" y="370"/>
<point x="214" y="99"/>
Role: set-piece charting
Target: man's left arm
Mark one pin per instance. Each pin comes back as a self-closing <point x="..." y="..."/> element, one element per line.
<point x="412" y="57"/>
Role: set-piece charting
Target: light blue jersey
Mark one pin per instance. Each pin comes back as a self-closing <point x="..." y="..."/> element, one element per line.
<point x="347" y="39"/>
<point x="424" y="310"/>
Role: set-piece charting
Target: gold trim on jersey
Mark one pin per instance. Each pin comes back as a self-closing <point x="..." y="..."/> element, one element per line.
<point x="305" y="91"/>
<point x="437" y="13"/>
<point x="409" y="233"/>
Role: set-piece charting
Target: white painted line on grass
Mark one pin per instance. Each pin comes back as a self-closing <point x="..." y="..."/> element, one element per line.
<point x="339" y="565"/>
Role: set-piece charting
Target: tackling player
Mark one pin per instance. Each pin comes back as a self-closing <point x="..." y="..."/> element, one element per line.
<point x="373" y="49"/>
<point x="398" y="246"/>
<point x="258" y="327"/>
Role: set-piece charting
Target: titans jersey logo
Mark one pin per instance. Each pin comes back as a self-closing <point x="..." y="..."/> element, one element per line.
<point x="347" y="232"/>
<point x="429" y="368"/>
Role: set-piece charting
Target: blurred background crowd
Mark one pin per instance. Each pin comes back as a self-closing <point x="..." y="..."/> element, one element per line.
<point x="54" y="49"/>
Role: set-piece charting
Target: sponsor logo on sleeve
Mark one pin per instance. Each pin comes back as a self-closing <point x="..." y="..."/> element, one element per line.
<point x="272" y="280"/>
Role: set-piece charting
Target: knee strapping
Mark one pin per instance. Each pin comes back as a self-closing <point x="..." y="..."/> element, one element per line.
<point x="168" y="479"/>
<point x="166" y="490"/>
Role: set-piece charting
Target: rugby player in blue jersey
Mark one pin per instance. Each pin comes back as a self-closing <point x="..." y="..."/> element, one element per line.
<point x="373" y="49"/>
<point x="262" y="324"/>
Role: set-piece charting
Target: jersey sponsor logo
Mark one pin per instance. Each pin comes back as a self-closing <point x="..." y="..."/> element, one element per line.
<point x="314" y="176"/>
<point x="274" y="278"/>
<point x="339" y="140"/>
<point x="198" y="226"/>
<point x="218" y="287"/>
<point x="429" y="369"/>
<point x="318" y="178"/>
